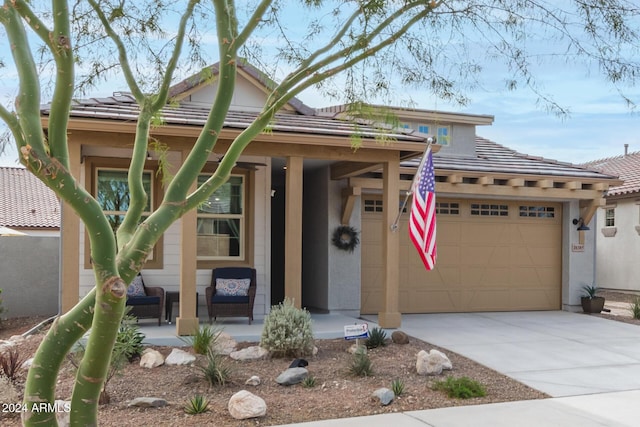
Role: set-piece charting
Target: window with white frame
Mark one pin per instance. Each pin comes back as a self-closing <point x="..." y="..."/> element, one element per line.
<point x="221" y="221"/>
<point x="610" y="217"/>
<point x="443" y="136"/>
<point x="112" y="193"/>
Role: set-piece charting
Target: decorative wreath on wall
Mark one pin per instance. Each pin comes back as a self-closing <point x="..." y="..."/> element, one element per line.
<point x="345" y="238"/>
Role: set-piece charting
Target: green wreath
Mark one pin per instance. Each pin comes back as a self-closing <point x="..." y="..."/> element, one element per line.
<point x="345" y="238"/>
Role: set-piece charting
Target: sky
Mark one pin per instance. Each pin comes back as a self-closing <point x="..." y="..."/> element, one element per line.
<point x="598" y="126"/>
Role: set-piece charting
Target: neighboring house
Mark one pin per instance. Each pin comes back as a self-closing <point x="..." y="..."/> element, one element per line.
<point x="29" y="262"/>
<point x="26" y="204"/>
<point x="505" y="235"/>
<point x="618" y="225"/>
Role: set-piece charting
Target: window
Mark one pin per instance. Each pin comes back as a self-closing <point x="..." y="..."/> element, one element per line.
<point x="423" y="129"/>
<point x="107" y="179"/>
<point x="446" y="208"/>
<point x="221" y="221"/>
<point x="486" y="209"/>
<point x="610" y="217"/>
<point x="112" y="193"/>
<point x="373" y="205"/>
<point x="537" y="211"/>
<point x="443" y="136"/>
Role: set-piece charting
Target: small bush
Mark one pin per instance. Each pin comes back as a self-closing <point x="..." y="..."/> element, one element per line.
<point x="397" y="386"/>
<point x="198" y="404"/>
<point x="129" y="339"/>
<point x="10" y="362"/>
<point x="360" y="364"/>
<point x="216" y="371"/>
<point x="635" y="308"/>
<point x="460" y="388"/>
<point x="309" y="382"/>
<point x="377" y="338"/>
<point x="202" y="339"/>
<point x="287" y="331"/>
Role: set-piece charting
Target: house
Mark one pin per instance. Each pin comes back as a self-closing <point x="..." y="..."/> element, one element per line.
<point x="617" y="225"/>
<point x="505" y="219"/>
<point x="29" y="253"/>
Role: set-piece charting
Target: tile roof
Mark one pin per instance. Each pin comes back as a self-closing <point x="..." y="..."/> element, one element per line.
<point x="626" y="166"/>
<point x="494" y="158"/>
<point x="123" y="107"/>
<point x="25" y="202"/>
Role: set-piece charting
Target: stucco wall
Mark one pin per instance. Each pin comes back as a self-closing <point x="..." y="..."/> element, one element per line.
<point x="29" y="275"/>
<point x="617" y="248"/>
<point x="331" y="277"/>
<point x="578" y="262"/>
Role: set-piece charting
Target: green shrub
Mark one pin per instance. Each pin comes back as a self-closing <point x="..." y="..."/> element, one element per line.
<point x="377" y="338"/>
<point x="202" y="339"/>
<point x="360" y="364"/>
<point x="635" y="308"/>
<point x="129" y="339"/>
<point x="287" y="331"/>
<point x="309" y="382"/>
<point x="216" y="371"/>
<point x="460" y="388"/>
<point x="397" y="386"/>
<point x="198" y="404"/>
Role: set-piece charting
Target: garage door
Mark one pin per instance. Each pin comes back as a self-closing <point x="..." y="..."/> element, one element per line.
<point x="492" y="256"/>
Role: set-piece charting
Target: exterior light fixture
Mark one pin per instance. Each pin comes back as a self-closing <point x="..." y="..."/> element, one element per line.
<point x="581" y="225"/>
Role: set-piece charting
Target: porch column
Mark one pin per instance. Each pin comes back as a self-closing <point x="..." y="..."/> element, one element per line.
<point x="69" y="274"/>
<point x="293" y="232"/>
<point x="390" y="317"/>
<point x="187" y="322"/>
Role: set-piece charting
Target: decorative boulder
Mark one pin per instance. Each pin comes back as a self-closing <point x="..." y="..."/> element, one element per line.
<point x="254" y="381"/>
<point x="179" y="357"/>
<point x="224" y="344"/>
<point x="148" y="402"/>
<point x="432" y="363"/>
<point x="254" y="352"/>
<point x="292" y="376"/>
<point x="244" y="405"/>
<point x="383" y="395"/>
<point x="399" y="337"/>
<point x="151" y="359"/>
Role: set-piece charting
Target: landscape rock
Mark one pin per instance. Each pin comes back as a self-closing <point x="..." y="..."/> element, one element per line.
<point x="432" y="363"/>
<point x="179" y="357"/>
<point x="399" y="337"/>
<point x="292" y="376"/>
<point x="148" y="402"/>
<point x="299" y="363"/>
<point x="151" y="359"/>
<point x="383" y="395"/>
<point x="255" y="352"/>
<point x="244" y="405"/>
<point x="224" y="344"/>
<point x="27" y="364"/>
<point x="254" y="381"/>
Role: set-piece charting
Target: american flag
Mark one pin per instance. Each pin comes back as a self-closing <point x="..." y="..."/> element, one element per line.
<point x="422" y="221"/>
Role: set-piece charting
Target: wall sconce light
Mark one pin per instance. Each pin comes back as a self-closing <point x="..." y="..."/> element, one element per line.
<point x="149" y="157"/>
<point x="581" y="225"/>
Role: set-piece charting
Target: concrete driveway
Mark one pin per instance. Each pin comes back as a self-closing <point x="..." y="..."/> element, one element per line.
<point x="556" y="352"/>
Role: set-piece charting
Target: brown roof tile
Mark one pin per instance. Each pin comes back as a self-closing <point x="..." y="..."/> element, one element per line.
<point x="25" y="202"/>
<point x="492" y="157"/>
<point x="627" y="167"/>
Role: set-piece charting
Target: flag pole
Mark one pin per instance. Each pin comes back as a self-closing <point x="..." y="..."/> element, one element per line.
<point x="430" y="141"/>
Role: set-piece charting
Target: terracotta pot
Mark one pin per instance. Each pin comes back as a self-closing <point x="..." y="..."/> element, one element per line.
<point x="592" y="305"/>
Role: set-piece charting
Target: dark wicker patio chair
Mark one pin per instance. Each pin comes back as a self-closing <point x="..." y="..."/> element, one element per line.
<point x="147" y="303"/>
<point x="228" y="295"/>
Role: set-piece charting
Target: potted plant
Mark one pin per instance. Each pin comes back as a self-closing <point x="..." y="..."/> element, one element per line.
<point x="591" y="302"/>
